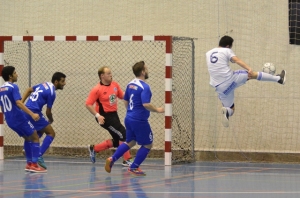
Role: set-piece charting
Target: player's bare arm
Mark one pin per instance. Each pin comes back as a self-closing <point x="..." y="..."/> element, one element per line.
<point x="121" y="94"/>
<point x="251" y="74"/>
<point x="21" y="105"/>
<point x="49" y="115"/>
<point x="97" y="115"/>
<point x="26" y="94"/>
<point x="152" y="108"/>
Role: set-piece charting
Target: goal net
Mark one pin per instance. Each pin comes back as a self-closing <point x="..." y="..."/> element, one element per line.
<point x="170" y="61"/>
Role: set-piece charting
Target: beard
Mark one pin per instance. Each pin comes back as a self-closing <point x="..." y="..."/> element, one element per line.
<point x="60" y="87"/>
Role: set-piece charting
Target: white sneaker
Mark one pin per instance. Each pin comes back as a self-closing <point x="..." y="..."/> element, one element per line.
<point x="225" y="120"/>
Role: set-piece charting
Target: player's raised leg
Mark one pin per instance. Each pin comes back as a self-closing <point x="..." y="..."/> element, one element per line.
<point x="262" y="76"/>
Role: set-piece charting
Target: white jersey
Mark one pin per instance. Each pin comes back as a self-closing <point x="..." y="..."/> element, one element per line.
<point x="217" y="61"/>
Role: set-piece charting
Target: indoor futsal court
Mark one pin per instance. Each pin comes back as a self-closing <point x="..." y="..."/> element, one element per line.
<point x="79" y="178"/>
<point x="255" y="154"/>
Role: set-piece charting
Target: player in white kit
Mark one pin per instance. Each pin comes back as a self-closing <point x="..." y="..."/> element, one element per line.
<point x="225" y="80"/>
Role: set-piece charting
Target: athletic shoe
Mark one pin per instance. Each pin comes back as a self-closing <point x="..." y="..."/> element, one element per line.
<point x="41" y="162"/>
<point x="128" y="162"/>
<point x="27" y="167"/>
<point x="136" y="171"/>
<point x="92" y="153"/>
<point x="225" y="120"/>
<point x="108" y="164"/>
<point x="34" y="168"/>
<point x="282" y="77"/>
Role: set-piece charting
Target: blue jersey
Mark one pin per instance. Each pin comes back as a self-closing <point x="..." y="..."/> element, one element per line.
<point x="138" y="93"/>
<point x="43" y="94"/>
<point x="9" y="94"/>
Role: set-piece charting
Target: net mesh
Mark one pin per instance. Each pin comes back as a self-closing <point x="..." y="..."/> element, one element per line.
<point x="75" y="127"/>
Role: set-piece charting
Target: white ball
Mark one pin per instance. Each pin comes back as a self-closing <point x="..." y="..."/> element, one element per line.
<point x="269" y="68"/>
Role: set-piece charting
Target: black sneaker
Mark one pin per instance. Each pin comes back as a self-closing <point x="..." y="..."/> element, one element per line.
<point x="225" y="119"/>
<point x="282" y="77"/>
<point x="127" y="163"/>
<point x="92" y="153"/>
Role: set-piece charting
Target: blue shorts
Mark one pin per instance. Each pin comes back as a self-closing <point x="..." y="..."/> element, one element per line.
<point x="24" y="129"/>
<point x="139" y="131"/>
<point x="226" y="89"/>
<point x="41" y="123"/>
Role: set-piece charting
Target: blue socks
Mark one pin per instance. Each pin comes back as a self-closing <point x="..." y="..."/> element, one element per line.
<point x="46" y="144"/>
<point x="140" y="157"/>
<point x="28" y="151"/>
<point x="120" y="151"/>
<point x="35" y="148"/>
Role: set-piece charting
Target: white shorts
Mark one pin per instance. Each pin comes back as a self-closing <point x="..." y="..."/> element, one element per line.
<point x="226" y="89"/>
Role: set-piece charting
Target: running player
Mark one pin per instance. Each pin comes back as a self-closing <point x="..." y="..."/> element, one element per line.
<point x="105" y="95"/>
<point x="137" y="102"/>
<point x="40" y="95"/>
<point x="225" y="81"/>
<point x="14" y="111"/>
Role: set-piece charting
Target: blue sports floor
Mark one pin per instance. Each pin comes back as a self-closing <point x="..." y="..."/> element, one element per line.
<point x="79" y="178"/>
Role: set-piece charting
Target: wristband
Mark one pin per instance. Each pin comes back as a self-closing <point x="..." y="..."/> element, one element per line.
<point x="97" y="115"/>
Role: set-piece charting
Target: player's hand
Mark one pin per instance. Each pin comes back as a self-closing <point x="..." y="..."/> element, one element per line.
<point x="35" y="116"/>
<point x="101" y="120"/>
<point x="250" y="73"/>
<point x="160" y="110"/>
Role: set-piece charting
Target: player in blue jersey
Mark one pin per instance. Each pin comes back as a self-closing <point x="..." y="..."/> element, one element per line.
<point x="137" y="100"/>
<point x="14" y="111"/>
<point x="40" y="95"/>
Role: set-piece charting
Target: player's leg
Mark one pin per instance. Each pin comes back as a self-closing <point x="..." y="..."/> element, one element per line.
<point x="43" y="126"/>
<point x="261" y="76"/>
<point x="118" y="133"/>
<point x="40" y="134"/>
<point x="117" y="126"/>
<point x="50" y="135"/>
<point x="226" y="93"/>
<point x="123" y="148"/>
<point x="32" y="145"/>
<point x="144" y="137"/>
<point x="104" y="145"/>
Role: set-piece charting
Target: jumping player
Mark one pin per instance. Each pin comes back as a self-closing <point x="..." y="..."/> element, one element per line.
<point x="225" y="81"/>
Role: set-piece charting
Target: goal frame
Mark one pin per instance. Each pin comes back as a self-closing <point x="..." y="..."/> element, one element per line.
<point x="168" y="75"/>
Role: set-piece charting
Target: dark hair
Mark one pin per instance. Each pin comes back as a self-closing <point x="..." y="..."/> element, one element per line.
<point x="138" y="67"/>
<point x="57" y="76"/>
<point x="7" y="71"/>
<point x="226" y="40"/>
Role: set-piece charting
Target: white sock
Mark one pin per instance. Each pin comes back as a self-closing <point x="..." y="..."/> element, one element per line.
<point x="262" y="76"/>
<point x="230" y="111"/>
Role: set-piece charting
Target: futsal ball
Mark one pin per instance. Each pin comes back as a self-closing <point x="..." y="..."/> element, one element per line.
<point x="269" y="68"/>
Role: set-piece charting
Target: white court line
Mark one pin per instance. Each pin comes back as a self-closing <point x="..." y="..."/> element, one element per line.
<point x="105" y="191"/>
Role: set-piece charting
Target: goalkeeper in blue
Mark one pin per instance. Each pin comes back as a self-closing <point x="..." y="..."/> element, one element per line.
<point x="225" y="80"/>
<point x="40" y="95"/>
<point x="137" y="101"/>
<point x="15" y="116"/>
